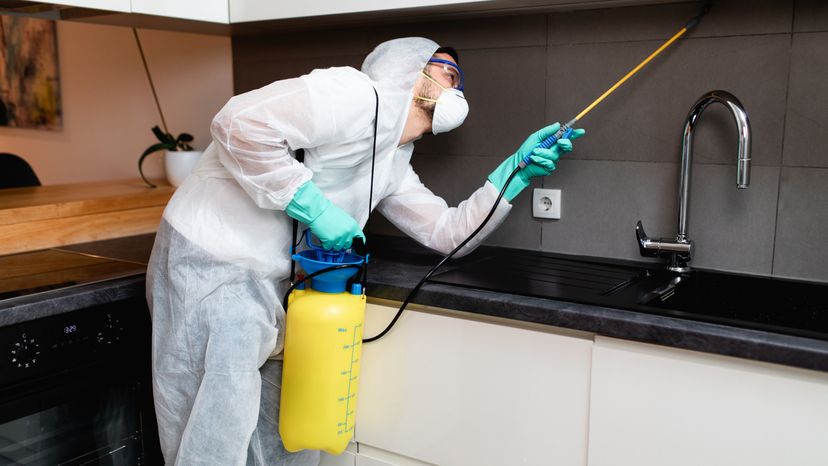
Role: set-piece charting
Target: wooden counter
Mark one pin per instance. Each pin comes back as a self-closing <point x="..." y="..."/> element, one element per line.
<point x="49" y="216"/>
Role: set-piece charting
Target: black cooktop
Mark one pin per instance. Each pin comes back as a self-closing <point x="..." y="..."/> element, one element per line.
<point x="38" y="271"/>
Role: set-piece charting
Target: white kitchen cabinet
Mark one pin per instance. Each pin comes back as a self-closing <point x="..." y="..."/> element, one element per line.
<point x="452" y="390"/>
<point x="655" y="406"/>
<point x="215" y="11"/>
<point x="260" y="10"/>
<point x="241" y="11"/>
<point x="263" y="10"/>
<point x="122" y="6"/>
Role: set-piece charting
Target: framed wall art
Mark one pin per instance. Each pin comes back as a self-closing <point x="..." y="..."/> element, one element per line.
<point x="29" y="77"/>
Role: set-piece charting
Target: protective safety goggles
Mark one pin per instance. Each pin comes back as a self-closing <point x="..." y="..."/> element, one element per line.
<point x="450" y="70"/>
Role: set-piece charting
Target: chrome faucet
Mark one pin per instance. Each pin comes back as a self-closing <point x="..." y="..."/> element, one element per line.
<point x="681" y="249"/>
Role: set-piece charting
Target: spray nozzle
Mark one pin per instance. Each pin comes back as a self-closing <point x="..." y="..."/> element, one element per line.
<point x="696" y="19"/>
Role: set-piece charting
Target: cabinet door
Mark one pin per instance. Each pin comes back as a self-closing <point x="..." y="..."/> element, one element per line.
<point x="653" y="406"/>
<point x="260" y="10"/>
<point x="453" y="391"/>
<point x="362" y="460"/>
<point x="215" y="11"/>
<point x="370" y="456"/>
<point x="367" y="461"/>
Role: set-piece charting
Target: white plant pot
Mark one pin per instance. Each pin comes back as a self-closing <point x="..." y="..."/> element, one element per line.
<point x="179" y="164"/>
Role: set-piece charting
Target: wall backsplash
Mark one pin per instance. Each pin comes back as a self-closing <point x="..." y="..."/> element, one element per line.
<point x="524" y="71"/>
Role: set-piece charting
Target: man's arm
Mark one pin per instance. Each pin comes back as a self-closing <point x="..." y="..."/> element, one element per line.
<point x="426" y="217"/>
<point x="254" y="134"/>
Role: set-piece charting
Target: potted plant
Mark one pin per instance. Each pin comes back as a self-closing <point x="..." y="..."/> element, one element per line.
<point x="179" y="159"/>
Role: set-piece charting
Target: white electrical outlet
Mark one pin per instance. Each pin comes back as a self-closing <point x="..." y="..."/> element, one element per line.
<point x="546" y="203"/>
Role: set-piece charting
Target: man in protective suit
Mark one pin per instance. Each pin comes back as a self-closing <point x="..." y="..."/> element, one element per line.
<point x="221" y="261"/>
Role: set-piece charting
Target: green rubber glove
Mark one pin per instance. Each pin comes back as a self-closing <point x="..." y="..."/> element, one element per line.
<point x="543" y="160"/>
<point x="334" y="228"/>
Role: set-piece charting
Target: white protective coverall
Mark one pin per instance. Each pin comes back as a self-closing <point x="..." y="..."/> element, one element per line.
<point x="221" y="260"/>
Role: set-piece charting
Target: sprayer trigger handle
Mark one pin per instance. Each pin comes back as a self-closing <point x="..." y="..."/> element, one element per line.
<point x="563" y="133"/>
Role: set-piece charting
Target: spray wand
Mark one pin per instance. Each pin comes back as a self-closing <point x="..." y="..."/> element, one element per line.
<point x="566" y="130"/>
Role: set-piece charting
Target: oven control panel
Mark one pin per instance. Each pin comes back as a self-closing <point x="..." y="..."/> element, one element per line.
<point x="64" y="341"/>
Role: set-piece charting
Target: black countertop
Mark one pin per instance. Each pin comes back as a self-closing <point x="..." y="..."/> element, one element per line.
<point x="397" y="266"/>
<point x="400" y="264"/>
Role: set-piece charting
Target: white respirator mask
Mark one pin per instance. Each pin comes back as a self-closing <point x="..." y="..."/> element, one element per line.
<point x="450" y="109"/>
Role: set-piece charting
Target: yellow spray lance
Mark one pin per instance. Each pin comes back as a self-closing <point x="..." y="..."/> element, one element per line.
<point x="566" y="129"/>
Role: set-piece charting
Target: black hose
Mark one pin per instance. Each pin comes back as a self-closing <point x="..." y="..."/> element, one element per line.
<point x="443" y="261"/>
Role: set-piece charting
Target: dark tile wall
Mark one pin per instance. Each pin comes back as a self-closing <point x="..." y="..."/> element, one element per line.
<point x="524" y="71"/>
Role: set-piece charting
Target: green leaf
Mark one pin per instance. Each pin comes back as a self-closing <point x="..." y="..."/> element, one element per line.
<point x="162" y="136"/>
<point x="150" y="150"/>
<point x="183" y="140"/>
<point x="158" y="133"/>
<point x="157" y="147"/>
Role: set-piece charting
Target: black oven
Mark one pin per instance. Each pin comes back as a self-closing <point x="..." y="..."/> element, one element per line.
<point x="75" y="389"/>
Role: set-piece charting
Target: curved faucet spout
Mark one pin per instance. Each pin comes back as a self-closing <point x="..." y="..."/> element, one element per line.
<point x="681" y="250"/>
<point x="743" y="162"/>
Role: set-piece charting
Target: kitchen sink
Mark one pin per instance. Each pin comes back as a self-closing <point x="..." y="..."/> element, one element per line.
<point x="780" y="305"/>
<point x="761" y="303"/>
<point x="545" y="275"/>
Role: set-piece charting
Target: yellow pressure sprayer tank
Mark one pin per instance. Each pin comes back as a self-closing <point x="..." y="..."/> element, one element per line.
<point x="323" y="346"/>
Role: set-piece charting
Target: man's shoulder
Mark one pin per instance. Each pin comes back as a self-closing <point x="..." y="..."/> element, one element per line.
<point x="341" y="76"/>
<point x="345" y="95"/>
<point x="343" y="82"/>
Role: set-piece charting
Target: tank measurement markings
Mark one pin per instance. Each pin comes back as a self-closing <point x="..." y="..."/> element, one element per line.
<point x="355" y="342"/>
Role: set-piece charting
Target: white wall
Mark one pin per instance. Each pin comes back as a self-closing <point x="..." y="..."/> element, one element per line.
<point x="108" y="108"/>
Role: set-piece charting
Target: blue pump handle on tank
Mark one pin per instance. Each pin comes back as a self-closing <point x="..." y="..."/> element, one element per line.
<point x="330" y="269"/>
